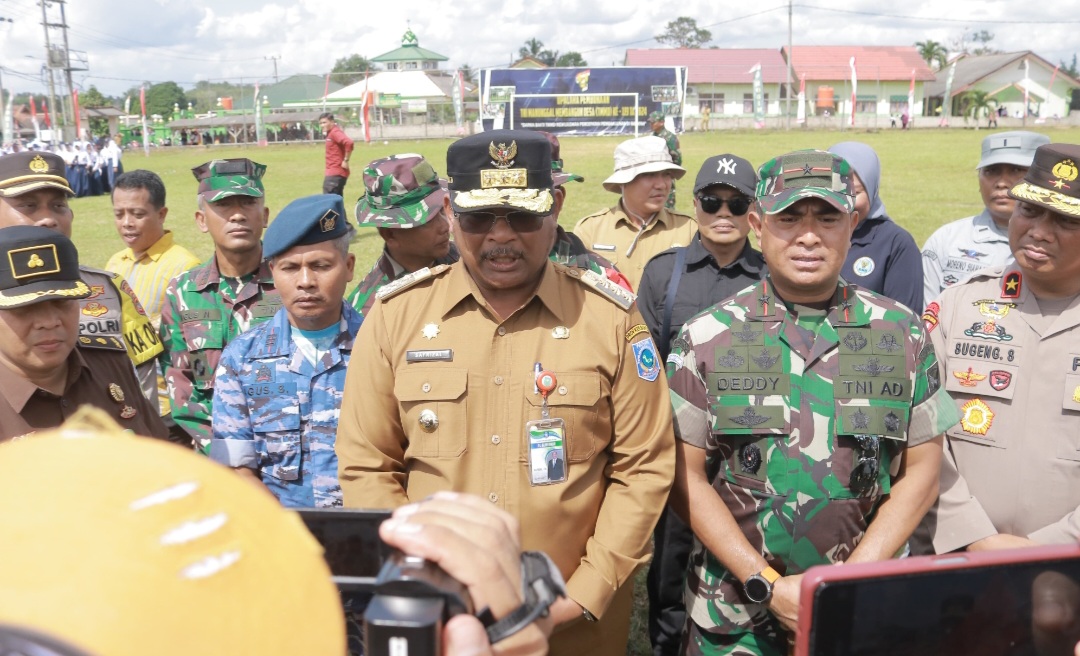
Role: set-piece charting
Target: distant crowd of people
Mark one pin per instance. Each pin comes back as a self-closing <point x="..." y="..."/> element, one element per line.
<point x="91" y="167"/>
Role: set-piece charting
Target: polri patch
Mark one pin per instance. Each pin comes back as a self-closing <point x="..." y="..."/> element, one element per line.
<point x="648" y="365"/>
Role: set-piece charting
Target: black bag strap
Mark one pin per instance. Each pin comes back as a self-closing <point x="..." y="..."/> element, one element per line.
<point x="669" y="300"/>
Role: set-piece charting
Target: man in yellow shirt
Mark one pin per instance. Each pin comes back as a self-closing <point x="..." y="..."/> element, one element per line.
<point x="151" y="259"/>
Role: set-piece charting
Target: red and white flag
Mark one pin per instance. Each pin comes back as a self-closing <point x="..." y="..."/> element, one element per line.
<point x="364" y="108"/>
<point x="911" y="96"/>
<point x="142" y="100"/>
<point x="75" y="110"/>
<point x="854" y="90"/>
<point x="800" y="110"/>
<point x="33" y="110"/>
<point x="45" y="108"/>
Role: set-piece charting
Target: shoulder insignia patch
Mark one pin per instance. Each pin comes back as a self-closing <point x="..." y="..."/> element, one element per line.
<point x="102" y="342"/>
<point x="408" y="280"/>
<point x="636" y="330"/>
<point x="608" y="289"/>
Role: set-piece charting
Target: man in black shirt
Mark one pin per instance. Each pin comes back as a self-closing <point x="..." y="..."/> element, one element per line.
<point x="676" y="285"/>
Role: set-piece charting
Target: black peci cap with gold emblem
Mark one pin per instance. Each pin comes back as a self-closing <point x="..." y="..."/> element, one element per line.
<point x="30" y="170"/>
<point x="501" y="168"/>
<point x="37" y="264"/>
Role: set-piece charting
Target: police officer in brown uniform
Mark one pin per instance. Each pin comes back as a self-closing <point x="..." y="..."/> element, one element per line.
<point x="1007" y="342"/>
<point x="47" y="370"/>
<point x="474" y="377"/>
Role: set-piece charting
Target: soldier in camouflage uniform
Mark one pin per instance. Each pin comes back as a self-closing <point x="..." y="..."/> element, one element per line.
<point x="278" y="387"/>
<point x="805" y="408"/>
<point x="656" y="123"/>
<point x="403" y="199"/>
<point x="206" y="307"/>
<point x="34" y="191"/>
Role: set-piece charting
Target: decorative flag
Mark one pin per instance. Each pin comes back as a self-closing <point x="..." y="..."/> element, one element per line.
<point x="326" y="91"/>
<point x="457" y="93"/>
<point x="800" y="110"/>
<point x="364" y="108"/>
<point x="127" y="104"/>
<point x="75" y="110"/>
<point x="759" y="97"/>
<point x="911" y="96"/>
<point x="142" y="100"/>
<point x="145" y="127"/>
<point x="45" y="109"/>
<point x="854" y="90"/>
<point x="1027" y="83"/>
<point x="947" y="111"/>
<point x="33" y="110"/>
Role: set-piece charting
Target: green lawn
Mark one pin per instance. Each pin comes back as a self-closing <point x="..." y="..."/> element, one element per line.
<point x="928" y="178"/>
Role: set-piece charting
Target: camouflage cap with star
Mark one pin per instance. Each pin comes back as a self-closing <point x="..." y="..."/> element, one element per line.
<point x="221" y="178"/>
<point x="789" y="178"/>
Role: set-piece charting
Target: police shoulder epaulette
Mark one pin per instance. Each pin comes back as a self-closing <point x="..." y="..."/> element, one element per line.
<point x="102" y="342"/>
<point x="108" y="274"/>
<point x="408" y="280"/>
<point x="609" y="290"/>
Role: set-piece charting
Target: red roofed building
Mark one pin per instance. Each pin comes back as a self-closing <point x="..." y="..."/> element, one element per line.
<point x="883" y="75"/>
<point x="721" y="78"/>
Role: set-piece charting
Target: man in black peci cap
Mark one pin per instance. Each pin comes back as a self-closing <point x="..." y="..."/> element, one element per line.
<point x="503" y="362"/>
<point x="47" y="370"/>
<point x="34" y="192"/>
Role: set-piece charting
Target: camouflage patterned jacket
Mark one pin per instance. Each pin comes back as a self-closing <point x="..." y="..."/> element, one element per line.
<point x="786" y="407"/>
<point x="277" y="412"/>
<point x="202" y="313"/>
<point x="363" y="297"/>
<point x="672" y="144"/>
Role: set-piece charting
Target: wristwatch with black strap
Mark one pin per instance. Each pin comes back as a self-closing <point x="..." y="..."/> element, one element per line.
<point x="541" y="585"/>
<point x="759" y="586"/>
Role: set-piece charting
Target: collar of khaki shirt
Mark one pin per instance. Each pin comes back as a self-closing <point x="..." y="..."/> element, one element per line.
<point x="661" y="217"/>
<point x="18" y="390"/>
<point x="461" y="286"/>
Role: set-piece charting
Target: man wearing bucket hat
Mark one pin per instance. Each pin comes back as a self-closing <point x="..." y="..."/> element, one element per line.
<point x="813" y="403"/>
<point x="639" y="226"/>
<point x="403" y="200"/>
<point x="206" y="307"/>
<point x="679" y="283"/>
<point x="47" y="370"/>
<point x="656" y="124"/>
<point x="34" y="191"/>
<point x="493" y="367"/>
<point x="960" y="248"/>
<point x="1008" y="343"/>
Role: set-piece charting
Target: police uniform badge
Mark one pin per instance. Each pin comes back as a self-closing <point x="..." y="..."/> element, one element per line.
<point x="648" y="365"/>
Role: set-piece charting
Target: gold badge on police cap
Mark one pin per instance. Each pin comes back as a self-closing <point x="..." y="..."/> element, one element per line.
<point x="39" y="165"/>
<point x="116" y="393"/>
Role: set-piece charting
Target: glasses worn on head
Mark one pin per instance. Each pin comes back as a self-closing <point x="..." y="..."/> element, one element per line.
<point x="480" y="223"/>
<point x="865" y="472"/>
<point x="712" y="204"/>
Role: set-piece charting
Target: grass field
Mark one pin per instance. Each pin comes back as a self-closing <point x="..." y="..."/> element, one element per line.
<point x="928" y="179"/>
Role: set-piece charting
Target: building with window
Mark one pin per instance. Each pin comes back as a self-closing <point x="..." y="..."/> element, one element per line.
<point x="410" y="56"/>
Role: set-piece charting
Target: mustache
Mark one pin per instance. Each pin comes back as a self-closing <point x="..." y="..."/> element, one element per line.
<point x="501" y="251"/>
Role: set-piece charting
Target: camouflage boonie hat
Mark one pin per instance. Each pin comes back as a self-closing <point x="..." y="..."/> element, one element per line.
<point x="401" y="191"/>
<point x="221" y="178"/>
<point x="787" y="179"/>
<point x="655" y="116"/>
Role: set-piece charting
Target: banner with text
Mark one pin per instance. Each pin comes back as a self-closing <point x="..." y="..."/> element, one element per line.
<point x="583" y="101"/>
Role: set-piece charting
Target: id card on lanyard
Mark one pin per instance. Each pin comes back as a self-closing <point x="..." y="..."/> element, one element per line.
<point x="547" y="439"/>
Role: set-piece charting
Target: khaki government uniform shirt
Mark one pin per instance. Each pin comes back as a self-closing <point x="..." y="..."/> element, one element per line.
<point x="1012" y="464"/>
<point x="438" y="347"/>
<point x="611" y="232"/>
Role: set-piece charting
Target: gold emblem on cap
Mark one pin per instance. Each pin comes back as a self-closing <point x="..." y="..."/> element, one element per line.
<point x="1064" y="171"/>
<point x="116" y="393"/>
<point x="21" y="268"/>
<point x="502" y="156"/>
<point x="35" y="262"/>
<point x="39" y="165"/>
<point x="328" y="221"/>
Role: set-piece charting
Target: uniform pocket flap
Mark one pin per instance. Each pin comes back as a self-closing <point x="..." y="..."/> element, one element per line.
<point x="430" y="384"/>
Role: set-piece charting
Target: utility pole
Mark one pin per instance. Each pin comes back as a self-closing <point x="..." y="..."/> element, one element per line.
<point x="7" y="121"/>
<point x="67" y="66"/>
<point x="57" y="112"/>
<point x="275" y="59"/>
<point x="787" y="111"/>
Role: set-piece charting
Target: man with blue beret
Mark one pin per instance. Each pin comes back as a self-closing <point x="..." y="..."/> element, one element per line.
<point x="278" y="386"/>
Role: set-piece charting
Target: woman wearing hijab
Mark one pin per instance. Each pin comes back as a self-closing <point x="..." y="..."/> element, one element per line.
<point x="883" y="256"/>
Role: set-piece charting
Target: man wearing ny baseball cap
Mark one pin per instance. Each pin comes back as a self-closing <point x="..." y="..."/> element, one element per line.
<point x="677" y="284"/>
<point x="403" y="200"/>
<point x="782" y="390"/>
<point x="960" y="248"/>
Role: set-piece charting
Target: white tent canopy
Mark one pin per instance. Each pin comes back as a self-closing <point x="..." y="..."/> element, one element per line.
<point x="407" y="84"/>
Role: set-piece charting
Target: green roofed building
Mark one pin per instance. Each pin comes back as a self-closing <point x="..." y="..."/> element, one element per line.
<point x="410" y="56"/>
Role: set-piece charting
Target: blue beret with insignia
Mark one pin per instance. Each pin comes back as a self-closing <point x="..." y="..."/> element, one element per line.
<point x="307" y="220"/>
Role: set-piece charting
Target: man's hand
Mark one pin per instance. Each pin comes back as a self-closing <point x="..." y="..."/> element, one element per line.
<point x="479" y="545"/>
<point x="784" y="604"/>
<point x="1001" y="541"/>
<point x="345" y="164"/>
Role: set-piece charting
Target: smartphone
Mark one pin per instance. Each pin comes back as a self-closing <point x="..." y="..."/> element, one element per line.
<point x="1020" y="602"/>
<point x="351" y="543"/>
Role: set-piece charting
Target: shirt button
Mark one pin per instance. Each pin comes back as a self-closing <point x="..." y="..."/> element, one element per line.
<point x="501" y="331"/>
<point x="495" y="439"/>
<point x="498" y="380"/>
<point x="493" y="498"/>
<point x="426" y="387"/>
<point x="562" y="390"/>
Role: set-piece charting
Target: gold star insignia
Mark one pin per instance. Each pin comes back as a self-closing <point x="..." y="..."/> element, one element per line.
<point x="430" y="331"/>
<point x="1011" y="285"/>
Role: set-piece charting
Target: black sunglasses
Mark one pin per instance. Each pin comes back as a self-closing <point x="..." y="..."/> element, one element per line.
<point x="712" y="204"/>
<point x="865" y="472"/>
<point x="480" y="223"/>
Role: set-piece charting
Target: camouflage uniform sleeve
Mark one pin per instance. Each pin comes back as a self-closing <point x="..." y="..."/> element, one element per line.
<point x="176" y="365"/>
<point x="233" y="443"/>
<point x="932" y="409"/>
<point x="688" y="392"/>
<point x="673" y="147"/>
<point x="363" y="296"/>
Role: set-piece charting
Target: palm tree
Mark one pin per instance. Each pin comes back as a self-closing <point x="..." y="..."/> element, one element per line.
<point x="532" y="48"/>
<point x="977" y="102"/>
<point x="933" y="53"/>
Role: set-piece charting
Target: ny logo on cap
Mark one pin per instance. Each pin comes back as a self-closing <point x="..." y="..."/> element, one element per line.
<point x="328" y="221"/>
<point x="726" y="166"/>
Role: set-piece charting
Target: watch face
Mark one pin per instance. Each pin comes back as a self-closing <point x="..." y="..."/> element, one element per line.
<point x="757" y="589"/>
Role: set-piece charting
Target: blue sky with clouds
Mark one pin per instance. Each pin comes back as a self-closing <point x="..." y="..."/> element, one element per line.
<point x="129" y="41"/>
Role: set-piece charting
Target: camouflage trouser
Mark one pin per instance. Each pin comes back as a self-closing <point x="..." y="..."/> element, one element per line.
<point x="767" y="639"/>
<point x="670" y="204"/>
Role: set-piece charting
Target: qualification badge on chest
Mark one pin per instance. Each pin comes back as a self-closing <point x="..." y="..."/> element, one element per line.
<point x="547" y="438"/>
